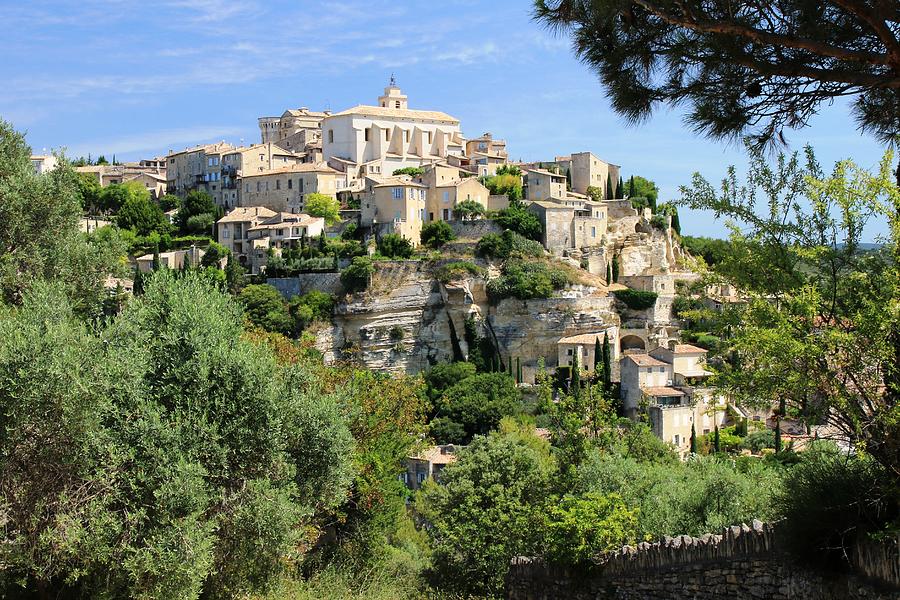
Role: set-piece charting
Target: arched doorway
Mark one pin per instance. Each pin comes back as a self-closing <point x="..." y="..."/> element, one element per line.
<point x="631" y="342"/>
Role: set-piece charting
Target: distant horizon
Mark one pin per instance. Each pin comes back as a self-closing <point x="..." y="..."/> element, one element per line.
<point x="136" y="83"/>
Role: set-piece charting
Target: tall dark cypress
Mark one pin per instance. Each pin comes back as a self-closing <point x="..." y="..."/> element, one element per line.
<point x="693" y="439"/>
<point x="607" y="363"/>
<point x="609" y="190"/>
<point x="716" y="440"/>
<point x="598" y="357"/>
<point x="620" y="189"/>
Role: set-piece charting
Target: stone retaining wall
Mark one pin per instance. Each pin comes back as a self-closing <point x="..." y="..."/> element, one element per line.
<point x="474" y="230"/>
<point x="304" y="282"/>
<point x="740" y="564"/>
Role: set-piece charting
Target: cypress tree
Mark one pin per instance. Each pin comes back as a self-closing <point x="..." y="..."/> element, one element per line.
<point x="607" y="363"/>
<point x="676" y="225"/>
<point x="608" y="274"/>
<point x="631" y="187"/>
<point x="615" y="269"/>
<point x="598" y="357"/>
<point x="609" y="190"/>
<point x="693" y="439"/>
<point x="576" y="378"/>
<point x="156" y="261"/>
<point x="778" y="445"/>
<point x="322" y="242"/>
<point x="716" y="440"/>
<point x="518" y="370"/>
<point x="509" y="369"/>
<point x="569" y="179"/>
<point x="620" y="189"/>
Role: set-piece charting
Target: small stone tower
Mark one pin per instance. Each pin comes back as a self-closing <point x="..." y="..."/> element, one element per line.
<point x="393" y="97"/>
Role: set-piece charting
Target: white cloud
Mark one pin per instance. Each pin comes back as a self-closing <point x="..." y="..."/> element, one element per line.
<point x="154" y="141"/>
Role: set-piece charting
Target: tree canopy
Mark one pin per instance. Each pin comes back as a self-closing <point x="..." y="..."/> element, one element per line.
<point x="320" y="205"/>
<point x="740" y="67"/>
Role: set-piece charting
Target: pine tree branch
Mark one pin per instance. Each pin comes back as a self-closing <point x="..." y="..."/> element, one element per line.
<point x="699" y="25"/>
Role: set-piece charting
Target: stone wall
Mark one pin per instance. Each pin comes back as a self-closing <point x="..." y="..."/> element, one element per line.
<point x="743" y="563"/>
<point x="474" y="230"/>
<point x="304" y="282"/>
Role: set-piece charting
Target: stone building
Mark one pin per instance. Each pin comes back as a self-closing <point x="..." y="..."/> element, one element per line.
<point x="670" y="384"/>
<point x="43" y="163"/>
<point x="428" y="465"/>
<point x="197" y="168"/>
<point x="542" y="185"/>
<point x="583" y="346"/>
<point x="395" y="205"/>
<point x="377" y="140"/>
<point x="443" y="197"/>
<point x="294" y="129"/>
<point x="285" y="189"/>
<point x="176" y="259"/>
<point x="234" y="229"/>
<point x="587" y="170"/>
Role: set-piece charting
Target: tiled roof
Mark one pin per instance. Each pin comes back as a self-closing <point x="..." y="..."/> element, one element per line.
<point x="689" y="349"/>
<point x="295" y="168"/>
<point x="645" y="360"/>
<point x="551" y="205"/>
<point x="246" y="213"/>
<point x="437" y="455"/>
<point x="403" y="113"/>
<point x="662" y="391"/>
<point x="583" y="338"/>
<point x="545" y="172"/>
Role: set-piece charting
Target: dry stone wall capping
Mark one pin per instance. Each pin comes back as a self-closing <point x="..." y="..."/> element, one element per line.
<point x="742" y="563"/>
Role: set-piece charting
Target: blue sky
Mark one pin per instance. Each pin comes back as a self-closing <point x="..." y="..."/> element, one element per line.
<point x="136" y="79"/>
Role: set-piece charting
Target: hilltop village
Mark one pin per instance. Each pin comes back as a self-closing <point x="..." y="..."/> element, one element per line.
<point x="537" y="267"/>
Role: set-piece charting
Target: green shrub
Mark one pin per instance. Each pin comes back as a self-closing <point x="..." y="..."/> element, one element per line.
<point x="659" y="222"/>
<point x="411" y="171"/>
<point x="522" y="221"/>
<point x="468" y="209"/>
<point x="830" y="500"/>
<point x="758" y="440"/>
<point x="394" y="245"/>
<point x="579" y="528"/>
<point x="636" y="299"/>
<point x="457" y="270"/>
<point x="507" y="244"/>
<point x="525" y="280"/>
<point x="436" y="234"/>
<point x="355" y="277"/>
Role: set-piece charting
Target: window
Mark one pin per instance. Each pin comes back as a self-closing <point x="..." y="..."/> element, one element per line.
<point x="279" y="232"/>
<point x="300" y="182"/>
<point x="248" y="188"/>
<point x="446" y="196"/>
<point x="398" y="216"/>
<point x="397" y="104"/>
<point x="258" y="185"/>
<point x="331" y="136"/>
<point x="429" y="137"/>
<point x="431" y="216"/>
<point x="421" y="194"/>
<point x="387" y="135"/>
<point x="412" y="194"/>
<point x="446" y="214"/>
<point x="367" y="134"/>
<point x="277" y="184"/>
<point x="569" y="351"/>
<point x="225" y="232"/>
<point x="262" y="157"/>
<point x="397" y="193"/>
<point x="420" y="477"/>
<point x="406" y="135"/>
<point x="677" y="440"/>
<point x="593" y="232"/>
<point x="267" y="186"/>
<point x="290" y="184"/>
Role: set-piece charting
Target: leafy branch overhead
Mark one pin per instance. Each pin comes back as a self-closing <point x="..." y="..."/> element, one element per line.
<point x="740" y="67"/>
